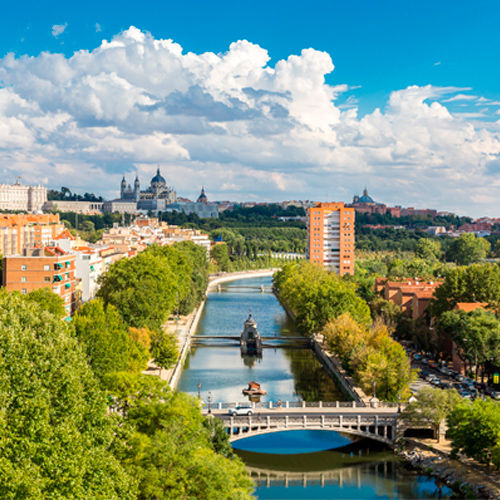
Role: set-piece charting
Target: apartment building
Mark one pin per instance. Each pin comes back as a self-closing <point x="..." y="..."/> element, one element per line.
<point x="19" y="231"/>
<point x="47" y="267"/>
<point x="330" y="237"/>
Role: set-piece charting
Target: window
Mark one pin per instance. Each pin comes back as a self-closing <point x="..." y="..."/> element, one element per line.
<point x="24" y="291"/>
<point x="47" y="279"/>
<point x="24" y="267"/>
<point x="46" y="267"/>
<point x="24" y="279"/>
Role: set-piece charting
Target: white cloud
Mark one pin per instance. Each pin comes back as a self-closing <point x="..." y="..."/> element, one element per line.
<point x="238" y="126"/>
<point x="58" y="29"/>
<point x="98" y="27"/>
<point x="461" y="97"/>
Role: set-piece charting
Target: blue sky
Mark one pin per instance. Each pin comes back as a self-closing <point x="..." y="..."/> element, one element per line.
<point x="378" y="49"/>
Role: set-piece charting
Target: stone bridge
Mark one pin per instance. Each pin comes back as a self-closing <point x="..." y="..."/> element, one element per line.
<point x="380" y="423"/>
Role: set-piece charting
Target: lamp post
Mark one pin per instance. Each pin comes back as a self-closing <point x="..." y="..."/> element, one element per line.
<point x="209" y="400"/>
<point x="399" y="403"/>
<point x="199" y="389"/>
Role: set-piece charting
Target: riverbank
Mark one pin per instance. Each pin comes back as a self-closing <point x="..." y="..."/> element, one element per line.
<point x="433" y="459"/>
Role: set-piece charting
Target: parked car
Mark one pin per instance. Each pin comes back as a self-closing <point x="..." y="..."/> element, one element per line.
<point x="241" y="410"/>
<point x="417" y="357"/>
<point x="423" y="374"/>
<point x="425" y="361"/>
<point x="495" y="395"/>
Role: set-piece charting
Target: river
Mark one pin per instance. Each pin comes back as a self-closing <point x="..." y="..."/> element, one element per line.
<point x="294" y="464"/>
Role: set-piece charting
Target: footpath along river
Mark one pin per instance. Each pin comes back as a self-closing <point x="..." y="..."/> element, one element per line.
<point x="295" y="464"/>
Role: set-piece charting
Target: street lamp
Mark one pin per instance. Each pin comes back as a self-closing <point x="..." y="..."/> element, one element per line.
<point x="399" y="403"/>
<point x="209" y="400"/>
<point x="199" y="389"/>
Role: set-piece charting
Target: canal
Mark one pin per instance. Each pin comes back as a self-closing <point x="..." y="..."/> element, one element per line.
<point x="295" y="464"/>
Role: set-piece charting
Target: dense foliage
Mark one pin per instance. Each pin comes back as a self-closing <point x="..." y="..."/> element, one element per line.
<point x="474" y="283"/>
<point x="316" y="296"/>
<point x="170" y="447"/>
<point x="66" y="195"/>
<point x="476" y="335"/>
<point x="78" y="421"/>
<point x="432" y="407"/>
<point x="150" y="286"/>
<point x="371" y="355"/>
<point x="56" y="437"/>
<point x="474" y="429"/>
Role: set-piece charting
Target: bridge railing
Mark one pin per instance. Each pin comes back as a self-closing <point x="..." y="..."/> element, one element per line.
<point x="295" y="404"/>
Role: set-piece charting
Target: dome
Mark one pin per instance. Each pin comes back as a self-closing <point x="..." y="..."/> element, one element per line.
<point x="203" y="197"/>
<point x="365" y="198"/>
<point x="158" y="179"/>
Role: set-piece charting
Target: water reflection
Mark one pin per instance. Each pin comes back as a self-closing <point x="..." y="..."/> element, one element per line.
<point x="362" y="469"/>
<point x="286" y="373"/>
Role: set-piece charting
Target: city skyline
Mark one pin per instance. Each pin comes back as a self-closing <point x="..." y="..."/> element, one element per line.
<point x="315" y="104"/>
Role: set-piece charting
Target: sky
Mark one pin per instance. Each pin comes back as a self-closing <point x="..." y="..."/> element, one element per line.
<point x="263" y="101"/>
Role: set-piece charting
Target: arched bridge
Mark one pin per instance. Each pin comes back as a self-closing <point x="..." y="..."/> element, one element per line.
<point x="379" y="423"/>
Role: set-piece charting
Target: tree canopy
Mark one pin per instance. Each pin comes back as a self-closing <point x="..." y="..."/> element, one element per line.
<point x="371" y="355"/>
<point x="468" y="249"/>
<point x="56" y="436"/>
<point x="316" y="296"/>
<point x="474" y="283"/>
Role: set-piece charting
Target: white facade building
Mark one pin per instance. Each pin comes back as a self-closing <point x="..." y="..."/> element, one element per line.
<point x="20" y="197"/>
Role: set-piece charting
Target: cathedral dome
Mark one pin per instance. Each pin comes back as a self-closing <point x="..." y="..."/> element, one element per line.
<point x="203" y="197"/>
<point x="158" y="179"/>
<point x="365" y="198"/>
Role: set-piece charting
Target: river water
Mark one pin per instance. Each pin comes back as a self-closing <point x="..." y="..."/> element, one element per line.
<point x="294" y="464"/>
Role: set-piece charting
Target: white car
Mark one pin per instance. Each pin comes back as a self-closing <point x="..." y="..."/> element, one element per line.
<point x="241" y="410"/>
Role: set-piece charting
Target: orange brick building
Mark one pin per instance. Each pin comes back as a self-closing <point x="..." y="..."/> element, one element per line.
<point x="412" y="296"/>
<point x="48" y="267"/>
<point x="330" y="237"/>
<point x="18" y="231"/>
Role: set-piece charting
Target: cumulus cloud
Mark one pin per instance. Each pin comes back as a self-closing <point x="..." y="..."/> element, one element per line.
<point x="237" y="125"/>
<point x="58" y="29"/>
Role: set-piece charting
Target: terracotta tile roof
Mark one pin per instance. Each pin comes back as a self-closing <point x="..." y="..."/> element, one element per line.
<point x="470" y="306"/>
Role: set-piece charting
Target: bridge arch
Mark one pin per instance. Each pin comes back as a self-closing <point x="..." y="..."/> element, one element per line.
<point x="251" y="432"/>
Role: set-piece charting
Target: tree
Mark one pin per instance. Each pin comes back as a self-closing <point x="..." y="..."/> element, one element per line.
<point x="432" y="407"/>
<point x="428" y="249"/>
<point x="476" y="334"/>
<point x="220" y="255"/>
<point x="474" y="429"/>
<point x="370" y="354"/>
<point x="143" y="289"/>
<point x="171" y="448"/>
<point x="468" y="249"/>
<point x="316" y="296"/>
<point x="48" y="300"/>
<point x="56" y="435"/>
<point x="164" y="349"/>
<point x="103" y="336"/>
<point x="474" y="283"/>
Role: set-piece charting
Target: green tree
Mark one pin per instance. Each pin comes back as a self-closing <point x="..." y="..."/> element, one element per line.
<point x="476" y="334"/>
<point x="56" y="436"/>
<point x="474" y="283"/>
<point x="468" y="249"/>
<point x="474" y="429"/>
<point x="170" y="448"/>
<point x="428" y="249"/>
<point x="432" y="407"/>
<point x="143" y="289"/>
<point x="316" y="296"/>
<point x="164" y="349"/>
<point x="103" y="336"/>
<point x="220" y="256"/>
<point x="48" y="300"/>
